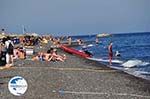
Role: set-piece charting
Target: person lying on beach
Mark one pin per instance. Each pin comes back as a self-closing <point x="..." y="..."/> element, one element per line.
<point x="40" y="57"/>
<point x="16" y="53"/>
<point x="56" y="57"/>
<point x="48" y="54"/>
<point x="19" y="53"/>
<point x="51" y="55"/>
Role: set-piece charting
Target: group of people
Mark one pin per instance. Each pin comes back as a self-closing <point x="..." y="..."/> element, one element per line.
<point x="110" y="48"/>
<point x="29" y="40"/>
<point x="19" y="53"/>
<point x="50" y="55"/>
<point x="110" y="51"/>
<point x="9" y="52"/>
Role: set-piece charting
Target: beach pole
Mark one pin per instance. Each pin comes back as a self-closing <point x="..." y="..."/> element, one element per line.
<point x="23" y="29"/>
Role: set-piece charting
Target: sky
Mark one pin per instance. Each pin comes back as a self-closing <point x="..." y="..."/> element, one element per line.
<point x="67" y="17"/>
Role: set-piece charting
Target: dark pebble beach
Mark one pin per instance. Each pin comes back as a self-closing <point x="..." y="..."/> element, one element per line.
<point x="76" y="78"/>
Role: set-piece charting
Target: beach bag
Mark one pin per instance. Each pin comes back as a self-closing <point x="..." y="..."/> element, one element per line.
<point x="10" y="49"/>
<point x="3" y="58"/>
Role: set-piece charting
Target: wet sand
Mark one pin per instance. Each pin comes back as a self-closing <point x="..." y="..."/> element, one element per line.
<point x="76" y="78"/>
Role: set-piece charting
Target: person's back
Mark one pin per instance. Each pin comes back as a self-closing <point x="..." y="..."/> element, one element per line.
<point x="9" y="47"/>
<point x="9" y="50"/>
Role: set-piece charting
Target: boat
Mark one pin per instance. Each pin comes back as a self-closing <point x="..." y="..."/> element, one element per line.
<point x="103" y="35"/>
<point x="74" y="51"/>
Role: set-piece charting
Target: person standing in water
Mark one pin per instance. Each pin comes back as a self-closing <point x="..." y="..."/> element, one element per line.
<point x="110" y="53"/>
<point x="97" y="40"/>
<point x="69" y="39"/>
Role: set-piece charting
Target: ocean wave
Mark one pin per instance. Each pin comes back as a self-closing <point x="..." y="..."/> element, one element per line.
<point x="133" y="63"/>
<point x="127" y="64"/>
<point x="142" y="73"/>
<point x="106" y="60"/>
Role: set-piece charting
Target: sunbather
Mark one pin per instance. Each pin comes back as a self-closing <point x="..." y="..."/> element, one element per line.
<point x="56" y="57"/>
<point x="40" y="56"/>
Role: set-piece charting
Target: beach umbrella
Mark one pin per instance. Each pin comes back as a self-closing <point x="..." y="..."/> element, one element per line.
<point x="2" y="36"/>
<point x="31" y="34"/>
<point x="34" y="34"/>
<point x="13" y="35"/>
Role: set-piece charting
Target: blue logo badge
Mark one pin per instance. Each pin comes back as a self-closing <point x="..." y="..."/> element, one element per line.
<point x="17" y="85"/>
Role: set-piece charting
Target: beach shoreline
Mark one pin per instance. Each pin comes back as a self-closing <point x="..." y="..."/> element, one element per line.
<point x="75" y="78"/>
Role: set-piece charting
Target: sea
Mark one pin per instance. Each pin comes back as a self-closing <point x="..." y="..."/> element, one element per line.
<point x="134" y="49"/>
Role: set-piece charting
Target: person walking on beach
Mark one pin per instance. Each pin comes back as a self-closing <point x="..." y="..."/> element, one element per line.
<point x="9" y="52"/>
<point x="110" y="52"/>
